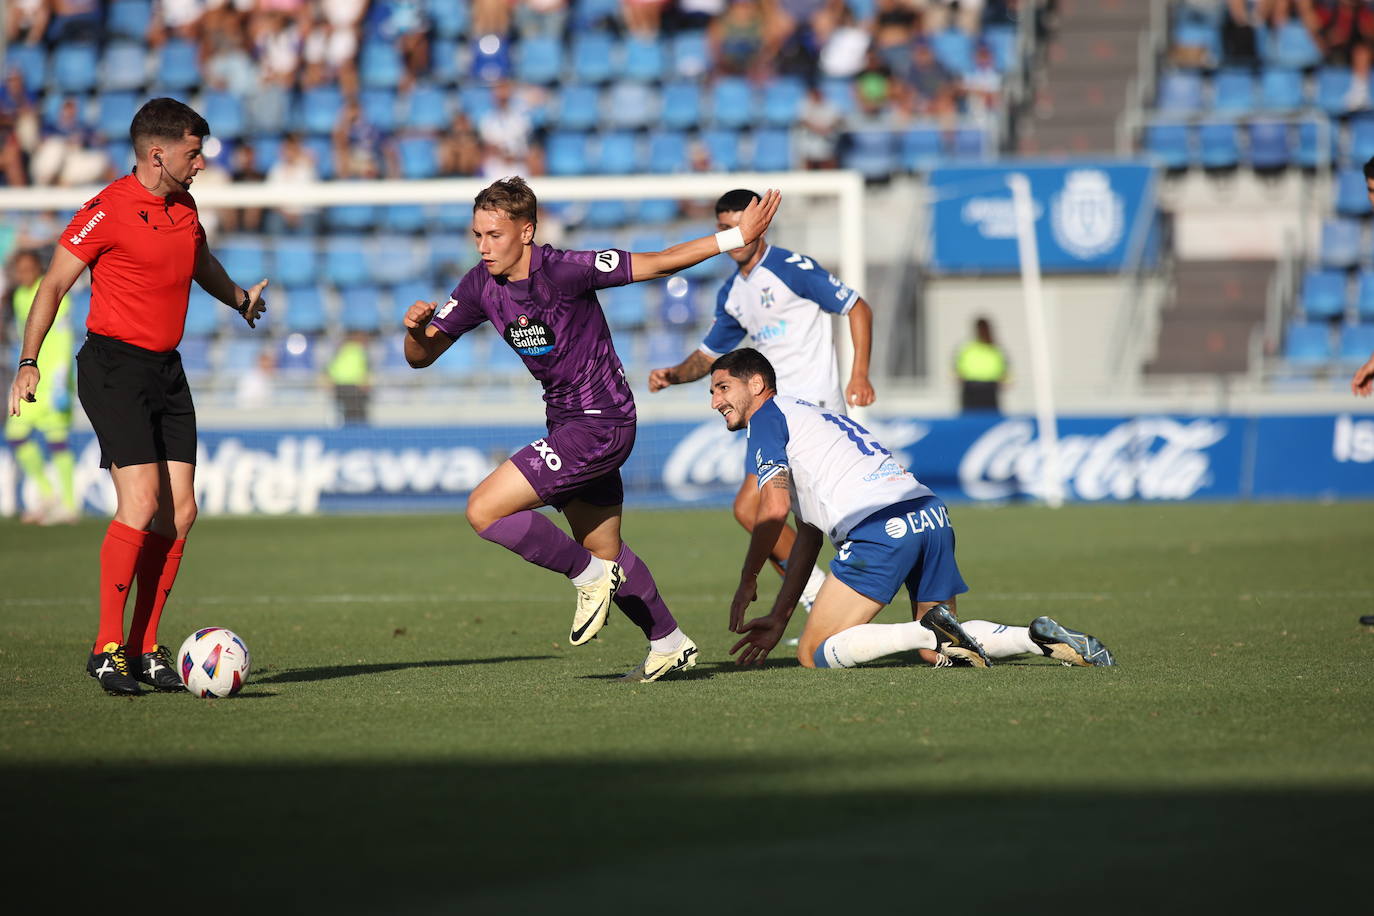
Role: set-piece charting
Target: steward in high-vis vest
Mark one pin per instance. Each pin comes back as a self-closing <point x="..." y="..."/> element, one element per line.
<point x="982" y="368"/>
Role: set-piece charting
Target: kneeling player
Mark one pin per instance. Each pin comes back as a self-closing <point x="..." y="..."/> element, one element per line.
<point x="888" y="528"/>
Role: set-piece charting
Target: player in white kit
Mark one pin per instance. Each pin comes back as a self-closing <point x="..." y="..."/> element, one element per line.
<point x="888" y="528"/>
<point x="785" y="303"/>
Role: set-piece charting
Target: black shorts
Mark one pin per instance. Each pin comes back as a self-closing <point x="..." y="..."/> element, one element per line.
<point x="138" y="402"/>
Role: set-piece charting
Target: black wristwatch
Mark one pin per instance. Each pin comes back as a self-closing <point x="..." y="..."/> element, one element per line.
<point x="242" y="307"/>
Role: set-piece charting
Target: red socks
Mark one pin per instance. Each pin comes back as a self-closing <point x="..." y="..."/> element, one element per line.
<point x="158" y="564"/>
<point x="118" y="559"/>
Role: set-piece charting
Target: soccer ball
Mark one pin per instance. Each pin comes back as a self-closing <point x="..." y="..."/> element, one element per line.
<point x="213" y="662"/>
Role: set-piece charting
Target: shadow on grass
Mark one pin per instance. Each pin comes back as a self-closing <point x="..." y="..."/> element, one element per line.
<point x="759" y="835"/>
<point x="330" y="672"/>
<point x="704" y="671"/>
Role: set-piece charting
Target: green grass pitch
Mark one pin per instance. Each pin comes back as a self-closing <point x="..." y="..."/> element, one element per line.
<point x="417" y="736"/>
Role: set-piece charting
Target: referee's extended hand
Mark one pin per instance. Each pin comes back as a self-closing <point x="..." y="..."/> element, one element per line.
<point x="256" y="304"/>
<point x="25" y="384"/>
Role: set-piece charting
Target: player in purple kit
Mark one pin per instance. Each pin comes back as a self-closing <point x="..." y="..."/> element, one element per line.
<point x="543" y="302"/>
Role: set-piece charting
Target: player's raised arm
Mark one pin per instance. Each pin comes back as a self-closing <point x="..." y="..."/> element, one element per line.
<point x="62" y="273"/>
<point x="754" y="221"/>
<point x="215" y="280"/>
<point x="423" y="341"/>
<point x="689" y="370"/>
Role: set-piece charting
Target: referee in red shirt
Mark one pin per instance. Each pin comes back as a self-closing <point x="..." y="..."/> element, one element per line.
<point x="141" y="237"/>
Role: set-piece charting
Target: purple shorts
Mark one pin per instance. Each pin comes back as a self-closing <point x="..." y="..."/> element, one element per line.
<point x="578" y="460"/>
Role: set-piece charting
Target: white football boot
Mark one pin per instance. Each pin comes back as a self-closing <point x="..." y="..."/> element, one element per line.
<point x="594" y="604"/>
<point x="658" y="664"/>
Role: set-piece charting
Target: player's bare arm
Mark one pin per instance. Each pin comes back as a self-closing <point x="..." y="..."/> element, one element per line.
<point x="424" y="343"/>
<point x="1363" y="382"/>
<point x="761" y="635"/>
<point x="215" y="280"/>
<point x="859" y="391"/>
<point x="62" y="273"/>
<point x="775" y="502"/>
<point x="754" y="221"/>
<point x="689" y="370"/>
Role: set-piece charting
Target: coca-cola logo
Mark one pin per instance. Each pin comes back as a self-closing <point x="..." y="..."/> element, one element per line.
<point x="1146" y="458"/>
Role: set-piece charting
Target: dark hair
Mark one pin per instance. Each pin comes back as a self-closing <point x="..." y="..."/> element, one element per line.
<point x="511" y="196"/>
<point x="983" y="329"/>
<point x="733" y="201"/>
<point x="1369" y="169"/>
<point x="165" y="119"/>
<point x="745" y="363"/>
<point x="32" y="253"/>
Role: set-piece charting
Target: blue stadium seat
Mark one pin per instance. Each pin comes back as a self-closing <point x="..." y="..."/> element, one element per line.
<point x="1333" y="85"/>
<point x="268" y="109"/>
<point x="1292" y="47"/>
<point x="394" y="259"/>
<point x="203" y="312"/>
<point x="380" y="65"/>
<point x="658" y="210"/>
<point x="409" y="218"/>
<point x="1323" y="293"/>
<point x="1270" y="146"/>
<point x="419" y="157"/>
<point x="594" y="57"/>
<point x="299" y="354"/>
<point x="871" y="152"/>
<point x="1342" y="242"/>
<point x="361" y="308"/>
<point x="426" y="108"/>
<point x="1352" y="196"/>
<point x="448" y="19"/>
<point x="838" y="92"/>
<point x="567" y="153"/>
<point x="445" y="62"/>
<point x="1001" y="40"/>
<point x="968" y="143"/>
<point x="631" y="105"/>
<point x="1357" y="342"/>
<point x="491" y="58"/>
<point x="619" y="154"/>
<point x="305" y="310"/>
<point x="345" y="261"/>
<point x="454" y="217"/>
<point x="195" y="354"/>
<point x="681" y="106"/>
<point x="351" y="217"/>
<point x="1180" y="92"/>
<point x="293" y="261"/>
<point x="607" y="214"/>
<point x="72" y="67"/>
<point x="589" y="13"/>
<point x="680" y="304"/>
<point x="1364" y="296"/>
<point x="921" y="148"/>
<point x="1233" y="92"/>
<point x="404" y="295"/>
<point x="1219" y="146"/>
<point x="1361" y="138"/>
<point x="240" y="354"/>
<point x="538" y="60"/>
<point x="176" y="65"/>
<point x="1316" y="144"/>
<point x="244" y="259"/>
<point x="578" y="108"/>
<point x="114" y="111"/>
<point x="1171" y="144"/>
<point x="625" y="306"/>
<point x="121" y="155"/>
<point x="782" y="101"/>
<point x="1193" y="32"/>
<point x="691" y="55"/>
<point x="667" y="154"/>
<point x="954" y="48"/>
<point x="1307" y="344"/>
<point x="224" y="113"/>
<point x="379" y="109"/>
<point x="475" y="101"/>
<point x="772" y="150"/>
<point x="1281" y="89"/>
<point x="123" y="66"/>
<point x="644" y="60"/>
<point x="322" y="149"/>
<point x="317" y="109"/>
<point x="722" y="146"/>
<point x="732" y="102"/>
<point x="31" y="62"/>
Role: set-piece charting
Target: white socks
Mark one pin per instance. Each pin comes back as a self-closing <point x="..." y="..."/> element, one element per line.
<point x="669" y="643"/>
<point x="592" y="574"/>
<point x="868" y="641"/>
<point x="1001" y="641"/>
<point x="813" y="588"/>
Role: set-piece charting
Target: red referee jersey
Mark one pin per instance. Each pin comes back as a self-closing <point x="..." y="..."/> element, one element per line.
<point x="141" y="249"/>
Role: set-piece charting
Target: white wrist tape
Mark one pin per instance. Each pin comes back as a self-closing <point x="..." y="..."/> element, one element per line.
<point x="730" y="239"/>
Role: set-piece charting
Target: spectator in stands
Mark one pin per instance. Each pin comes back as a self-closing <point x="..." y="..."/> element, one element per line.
<point x="688" y="15"/>
<point x="896" y="26"/>
<point x="843" y="42"/>
<point x="744" y="40"/>
<point x="75" y="20"/>
<point x="350" y="374"/>
<point x="68" y="154"/>
<point x="981" y="87"/>
<point x="966" y="15"/>
<point x="295" y="165"/>
<point x="27" y="21"/>
<point x="355" y="143"/>
<point x="491" y="17"/>
<point x="932" y="86"/>
<point x="875" y="94"/>
<point x="277" y="44"/>
<point x="243" y="169"/>
<point x="228" y="65"/>
<point x="19" y="107"/>
<point x="1239" y="39"/>
<point x="11" y="153"/>
<point x="540" y="18"/>
<point x="1344" y="30"/>
<point x="403" y="23"/>
<point x="507" y="136"/>
<point x="982" y="369"/>
<point x="820" y="125"/>
<point x="180" y="18"/>
<point x="331" y="55"/>
<point x="255" y="386"/>
<point x="460" y="149"/>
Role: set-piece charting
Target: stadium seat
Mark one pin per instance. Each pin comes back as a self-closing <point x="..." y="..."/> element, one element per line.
<point x="1352" y="196"/>
<point x="644" y="60"/>
<point x="322" y="149"/>
<point x="409" y="218"/>
<point x="1270" y="150"/>
<point x="445" y="62"/>
<point x="203" y="312"/>
<point x="1323" y="293"/>
<point x="419" y="157"/>
<point x="1197" y="34"/>
<point x="722" y="146"/>
<point x="588" y="14"/>
<point x="772" y="150"/>
<point x="732" y="103"/>
<point x="195" y="354"/>
<point x="123" y="67"/>
<point x="578" y="108"/>
<point x="299" y="354"/>
<point x="658" y="210"/>
<point x="361" y="308"/>
<point x="619" y="154"/>
<point x="73" y="68"/>
<point x="426" y="107"/>
<point x="1341" y="243"/>
<point x="625" y="306"/>
<point x="782" y="101"/>
<point x="838" y="92"/>
<point x="920" y="148"/>
<point x="176" y="66"/>
<point x="1333" y="86"/>
<point x="1219" y="146"/>
<point x="491" y="58"/>
<point x="395" y="259"/>
<point x="567" y="153"/>
<point x="871" y="152"/>
<point x="1002" y="41"/>
<point x="606" y="214"/>
<point x="240" y="353"/>
<point x="305" y="310"/>
<point x="475" y="101"/>
<point x="223" y="111"/>
<point x="678" y="307"/>
<point x="30" y="61"/>
<point x="454" y="216"/>
<point x="293" y="261"/>
<point x="1316" y="144"/>
<point x="667" y="154"/>
<point x="351" y="218"/>
<point x="631" y="105"/>
<point x="691" y="55"/>
<point x="538" y="60"/>
<point x="968" y="143"/>
<point x="380" y="65"/>
<point x="1233" y="92"/>
<point x="379" y="109"/>
<point x="1357" y="342"/>
<point x="1364" y="296"/>
<point x="268" y="109"/>
<point x="1292" y="47"/>
<point x="448" y="19"/>
<point x="681" y="106"/>
<point x="594" y="57"/>
<point x="1307" y="344"/>
<point x="114" y="111"/>
<point x="1361" y="138"/>
<point x="345" y="261"/>
<point x="1180" y="92"/>
<point x="954" y="48"/>
<point x="244" y="258"/>
<point x="404" y="295"/>
<point x="1281" y="90"/>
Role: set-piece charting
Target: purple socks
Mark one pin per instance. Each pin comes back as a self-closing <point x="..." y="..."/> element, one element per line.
<point x="539" y="541"/>
<point x="638" y="597"/>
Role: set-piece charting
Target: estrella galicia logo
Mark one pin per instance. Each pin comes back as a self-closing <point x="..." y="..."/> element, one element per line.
<point x="529" y="337"/>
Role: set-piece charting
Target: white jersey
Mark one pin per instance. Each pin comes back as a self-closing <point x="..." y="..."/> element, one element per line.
<point x="785" y="306"/>
<point x="840" y="474"/>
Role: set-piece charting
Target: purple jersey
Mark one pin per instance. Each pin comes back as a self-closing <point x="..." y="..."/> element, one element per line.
<point x="553" y="320"/>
